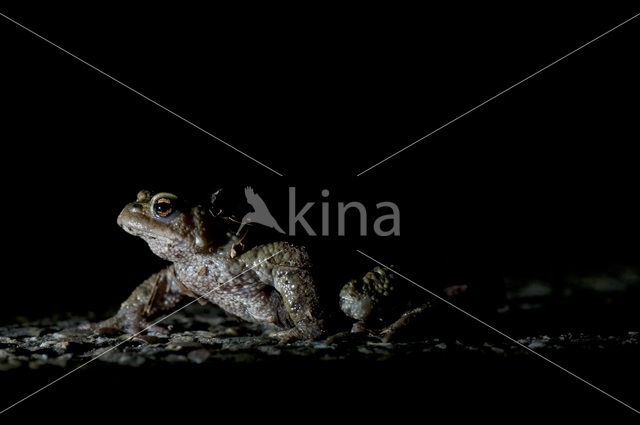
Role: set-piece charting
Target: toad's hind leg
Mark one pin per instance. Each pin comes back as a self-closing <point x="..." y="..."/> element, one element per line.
<point x="289" y="273"/>
<point x="405" y="320"/>
<point x="300" y="300"/>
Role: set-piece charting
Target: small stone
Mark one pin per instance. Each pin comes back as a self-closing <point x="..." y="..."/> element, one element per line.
<point x="270" y="350"/>
<point x="10" y="364"/>
<point x="231" y="331"/>
<point x="148" y="339"/>
<point x="58" y="346"/>
<point x="173" y="347"/>
<point x="199" y="356"/>
<point x="175" y="358"/>
<point x="28" y="331"/>
<point x="123" y="358"/>
<point x="537" y="344"/>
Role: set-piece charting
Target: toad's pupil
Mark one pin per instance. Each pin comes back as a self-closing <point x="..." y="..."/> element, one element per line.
<point x="163" y="207"/>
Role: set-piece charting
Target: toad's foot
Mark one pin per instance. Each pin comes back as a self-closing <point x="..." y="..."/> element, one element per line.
<point x="358" y="328"/>
<point x="118" y="324"/>
<point x="337" y="337"/>
<point x="306" y="331"/>
<point x="287" y="336"/>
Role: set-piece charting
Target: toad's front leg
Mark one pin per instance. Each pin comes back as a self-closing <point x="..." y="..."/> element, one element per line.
<point x="161" y="292"/>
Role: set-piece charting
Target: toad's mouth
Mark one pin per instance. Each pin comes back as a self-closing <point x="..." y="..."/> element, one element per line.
<point x="132" y="230"/>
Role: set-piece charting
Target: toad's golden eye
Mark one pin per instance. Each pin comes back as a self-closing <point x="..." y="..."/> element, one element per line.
<point x="163" y="207"/>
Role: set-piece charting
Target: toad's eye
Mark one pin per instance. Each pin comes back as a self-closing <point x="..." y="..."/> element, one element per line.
<point x="164" y="207"/>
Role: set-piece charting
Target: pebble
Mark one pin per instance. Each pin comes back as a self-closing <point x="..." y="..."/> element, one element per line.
<point x="199" y="356"/>
<point x="175" y="358"/>
<point x="537" y="344"/>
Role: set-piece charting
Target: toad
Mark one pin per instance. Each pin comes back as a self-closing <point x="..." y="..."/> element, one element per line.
<point x="270" y="283"/>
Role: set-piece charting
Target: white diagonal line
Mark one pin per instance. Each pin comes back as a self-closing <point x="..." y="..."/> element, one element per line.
<point x="497" y="331"/>
<point x="499" y="94"/>
<point x="139" y="94"/>
<point x="135" y="335"/>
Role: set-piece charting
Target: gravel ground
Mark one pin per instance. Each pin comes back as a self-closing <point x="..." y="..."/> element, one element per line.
<point x="204" y="334"/>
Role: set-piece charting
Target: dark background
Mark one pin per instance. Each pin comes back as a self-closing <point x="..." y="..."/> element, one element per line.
<point x="541" y="181"/>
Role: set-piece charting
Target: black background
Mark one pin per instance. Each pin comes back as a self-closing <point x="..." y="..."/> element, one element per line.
<point x="537" y="182"/>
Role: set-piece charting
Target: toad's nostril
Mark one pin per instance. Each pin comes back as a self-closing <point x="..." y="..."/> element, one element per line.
<point x="135" y="208"/>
